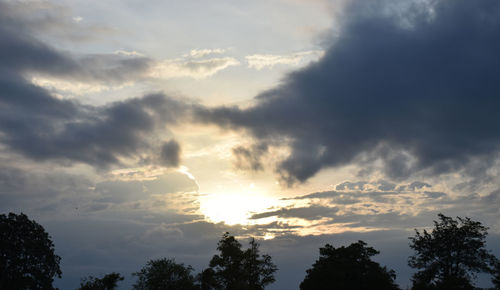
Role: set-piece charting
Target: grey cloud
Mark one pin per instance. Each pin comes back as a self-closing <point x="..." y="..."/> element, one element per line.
<point x="322" y="194"/>
<point x="381" y="185"/>
<point x="171" y="154"/>
<point x="418" y="185"/>
<point x="386" y="186"/>
<point x="435" y="194"/>
<point x="427" y="93"/>
<point x="250" y="158"/>
<point x="98" y="206"/>
<point x="309" y="213"/>
<point x="391" y="220"/>
<point x="104" y="69"/>
<point x="122" y="191"/>
<point x="38" y="190"/>
<point x="45" y="191"/>
<point x="493" y="197"/>
<point x="339" y="195"/>
<point x="21" y="52"/>
<point x="51" y="20"/>
<point x="351" y="185"/>
<point x="39" y="126"/>
<point x="348" y="197"/>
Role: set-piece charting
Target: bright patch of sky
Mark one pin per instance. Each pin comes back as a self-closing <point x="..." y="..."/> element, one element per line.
<point x="205" y="49"/>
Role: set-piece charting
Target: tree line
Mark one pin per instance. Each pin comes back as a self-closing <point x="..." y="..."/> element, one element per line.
<point x="447" y="257"/>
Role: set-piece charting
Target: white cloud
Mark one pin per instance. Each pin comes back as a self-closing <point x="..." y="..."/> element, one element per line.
<point x="196" y="69"/>
<point x="260" y="61"/>
<point x="189" y="66"/>
<point x="63" y="88"/>
<point x="198" y="53"/>
<point x="127" y="53"/>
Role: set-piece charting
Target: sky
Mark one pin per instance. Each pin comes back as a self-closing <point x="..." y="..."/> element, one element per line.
<point x="136" y="130"/>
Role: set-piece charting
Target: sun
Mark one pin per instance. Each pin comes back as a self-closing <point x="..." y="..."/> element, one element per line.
<point x="236" y="207"/>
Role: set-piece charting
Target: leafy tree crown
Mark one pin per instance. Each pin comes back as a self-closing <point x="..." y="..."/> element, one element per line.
<point x="108" y="282"/>
<point x="164" y="274"/>
<point x="451" y="254"/>
<point x="235" y="268"/>
<point x="27" y="257"/>
<point x="348" y="268"/>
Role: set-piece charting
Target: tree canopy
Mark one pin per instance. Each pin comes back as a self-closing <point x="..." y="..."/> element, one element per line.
<point x="234" y="268"/>
<point x="496" y="275"/>
<point x="108" y="282"/>
<point x="165" y="274"/>
<point x="348" y="268"/>
<point x="451" y="254"/>
<point x="27" y="258"/>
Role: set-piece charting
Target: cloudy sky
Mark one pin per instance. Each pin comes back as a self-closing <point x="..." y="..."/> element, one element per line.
<point x="135" y="130"/>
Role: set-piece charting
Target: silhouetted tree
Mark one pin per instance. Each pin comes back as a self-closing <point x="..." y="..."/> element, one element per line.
<point x="450" y="256"/>
<point x="259" y="269"/>
<point x="348" y="268"/>
<point x="228" y="265"/>
<point x="496" y="276"/>
<point x="206" y="279"/>
<point x="236" y="269"/>
<point x="108" y="282"/>
<point x="165" y="274"/>
<point x="27" y="258"/>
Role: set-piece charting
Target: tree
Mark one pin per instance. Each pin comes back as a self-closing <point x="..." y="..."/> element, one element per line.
<point x="235" y="269"/>
<point x="108" y="282"/>
<point x="27" y="258"/>
<point x="348" y="268"/>
<point x="496" y="275"/>
<point x="164" y="274"/>
<point x="450" y="256"/>
<point x="260" y="270"/>
<point x="206" y="279"/>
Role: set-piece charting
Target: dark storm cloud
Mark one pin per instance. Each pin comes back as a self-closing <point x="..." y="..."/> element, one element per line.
<point x="171" y="154"/>
<point x="419" y="90"/>
<point x="39" y="126"/>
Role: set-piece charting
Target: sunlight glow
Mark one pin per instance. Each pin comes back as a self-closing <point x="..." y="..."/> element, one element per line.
<point x="236" y="207"/>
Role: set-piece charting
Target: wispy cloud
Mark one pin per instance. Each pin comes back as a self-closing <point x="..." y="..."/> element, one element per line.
<point x="368" y="209"/>
<point x="260" y="61"/>
<point x="128" y="53"/>
<point x="199" y="53"/>
<point x="196" y="69"/>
